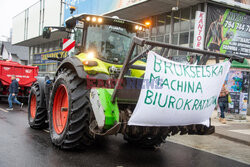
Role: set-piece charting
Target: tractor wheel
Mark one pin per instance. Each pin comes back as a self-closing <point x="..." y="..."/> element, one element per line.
<point x="37" y="115"/>
<point x="70" y="112"/>
<point x="146" y="137"/>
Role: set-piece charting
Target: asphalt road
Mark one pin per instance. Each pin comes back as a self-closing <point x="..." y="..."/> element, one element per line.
<point x="22" y="146"/>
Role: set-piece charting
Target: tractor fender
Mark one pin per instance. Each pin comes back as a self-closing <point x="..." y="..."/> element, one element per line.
<point x="75" y="63"/>
<point x="41" y="84"/>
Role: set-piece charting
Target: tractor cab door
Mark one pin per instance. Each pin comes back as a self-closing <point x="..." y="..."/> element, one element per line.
<point x="77" y="36"/>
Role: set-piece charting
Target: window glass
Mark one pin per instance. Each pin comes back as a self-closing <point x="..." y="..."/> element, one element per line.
<point x="154" y="28"/>
<point x="185" y="15"/>
<point x="159" y="38"/>
<point x="166" y="38"/>
<point x="42" y="68"/>
<point x="109" y="43"/>
<point x="191" y="38"/>
<point x="50" y="68"/>
<point x="175" y="42"/>
<point x="168" y="22"/>
<point x="176" y="21"/>
<point x="161" y="24"/>
<point x="184" y="38"/>
<point x="194" y="9"/>
<point x="153" y="38"/>
<point x="175" y="39"/>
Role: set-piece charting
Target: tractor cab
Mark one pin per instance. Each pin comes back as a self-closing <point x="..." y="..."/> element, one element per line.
<point x="105" y="38"/>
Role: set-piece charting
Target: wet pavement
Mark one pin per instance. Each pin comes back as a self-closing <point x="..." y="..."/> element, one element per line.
<point x="22" y="146"/>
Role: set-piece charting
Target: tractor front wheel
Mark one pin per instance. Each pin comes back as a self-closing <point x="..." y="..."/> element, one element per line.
<point x="70" y="112"/>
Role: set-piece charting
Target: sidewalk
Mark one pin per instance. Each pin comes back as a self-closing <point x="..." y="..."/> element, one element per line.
<point x="235" y="130"/>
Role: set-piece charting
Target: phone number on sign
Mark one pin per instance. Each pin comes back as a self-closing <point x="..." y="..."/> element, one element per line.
<point x="238" y="26"/>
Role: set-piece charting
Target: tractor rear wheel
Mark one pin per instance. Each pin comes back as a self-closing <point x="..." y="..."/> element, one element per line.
<point x="146" y="137"/>
<point x="37" y="115"/>
<point x="70" y="112"/>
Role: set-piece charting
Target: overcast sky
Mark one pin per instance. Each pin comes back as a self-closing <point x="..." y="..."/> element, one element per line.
<point x="9" y="9"/>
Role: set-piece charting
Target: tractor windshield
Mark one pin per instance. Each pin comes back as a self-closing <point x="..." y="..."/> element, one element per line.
<point x="110" y="43"/>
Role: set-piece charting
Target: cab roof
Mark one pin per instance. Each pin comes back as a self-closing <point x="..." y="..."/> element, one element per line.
<point x="71" y="22"/>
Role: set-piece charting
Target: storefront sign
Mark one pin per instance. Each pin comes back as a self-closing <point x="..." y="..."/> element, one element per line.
<point x="245" y="4"/>
<point x="178" y="94"/>
<point x="228" y="31"/>
<point x="42" y="58"/>
<point x="199" y="30"/>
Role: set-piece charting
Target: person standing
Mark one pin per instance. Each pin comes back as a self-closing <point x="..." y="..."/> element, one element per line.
<point x="223" y="102"/>
<point x="13" y="92"/>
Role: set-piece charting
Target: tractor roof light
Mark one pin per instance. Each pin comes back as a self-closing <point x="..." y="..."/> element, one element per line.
<point x="88" y="18"/>
<point x="93" y="19"/>
<point x="100" y="20"/>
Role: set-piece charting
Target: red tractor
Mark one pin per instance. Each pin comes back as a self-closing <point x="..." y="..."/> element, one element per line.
<point x="26" y="76"/>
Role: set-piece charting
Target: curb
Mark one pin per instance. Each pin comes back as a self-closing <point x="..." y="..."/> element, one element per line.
<point x="232" y="138"/>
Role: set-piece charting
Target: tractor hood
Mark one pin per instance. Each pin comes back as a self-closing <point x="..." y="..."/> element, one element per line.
<point x="93" y="65"/>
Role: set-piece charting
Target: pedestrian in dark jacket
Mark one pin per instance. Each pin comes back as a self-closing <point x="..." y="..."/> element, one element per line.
<point x="13" y="90"/>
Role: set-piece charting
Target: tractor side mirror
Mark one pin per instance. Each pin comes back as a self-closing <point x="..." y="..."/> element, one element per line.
<point x="46" y="32"/>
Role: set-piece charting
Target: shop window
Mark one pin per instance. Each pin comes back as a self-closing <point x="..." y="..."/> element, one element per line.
<point x="42" y="68"/>
<point x="185" y="15"/>
<point x="175" y="42"/>
<point x="191" y="38"/>
<point x="146" y="34"/>
<point x="161" y="24"/>
<point x="183" y="53"/>
<point x="54" y="67"/>
<point x="175" y="39"/>
<point x="166" y="38"/>
<point x="50" y="67"/>
<point x="154" y="28"/>
<point x="176" y="21"/>
<point x="160" y="38"/>
<point x="168" y="22"/>
<point x="34" y="50"/>
<point x="184" y="38"/>
<point x="193" y="11"/>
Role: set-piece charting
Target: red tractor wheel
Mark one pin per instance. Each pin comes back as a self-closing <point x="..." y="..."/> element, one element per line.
<point x="33" y="106"/>
<point x="60" y="109"/>
<point x="70" y="112"/>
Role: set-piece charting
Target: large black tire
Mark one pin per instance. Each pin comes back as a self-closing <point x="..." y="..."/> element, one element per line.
<point x="38" y="120"/>
<point x="76" y="132"/>
<point x="146" y="137"/>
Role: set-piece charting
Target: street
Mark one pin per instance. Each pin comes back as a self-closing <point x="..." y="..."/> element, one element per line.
<point x="22" y="146"/>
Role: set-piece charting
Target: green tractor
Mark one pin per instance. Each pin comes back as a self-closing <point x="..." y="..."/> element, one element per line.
<point x="84" y="100"/>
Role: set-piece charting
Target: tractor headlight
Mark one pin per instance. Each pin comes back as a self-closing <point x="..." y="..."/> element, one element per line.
<point x="90" y="55"/>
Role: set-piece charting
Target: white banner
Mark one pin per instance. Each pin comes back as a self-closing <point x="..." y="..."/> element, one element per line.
<point x="199" y="30"/>
<point x="178" y="94"/>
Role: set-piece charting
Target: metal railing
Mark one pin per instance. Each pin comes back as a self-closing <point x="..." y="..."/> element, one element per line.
<point x="128" y="63"/>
